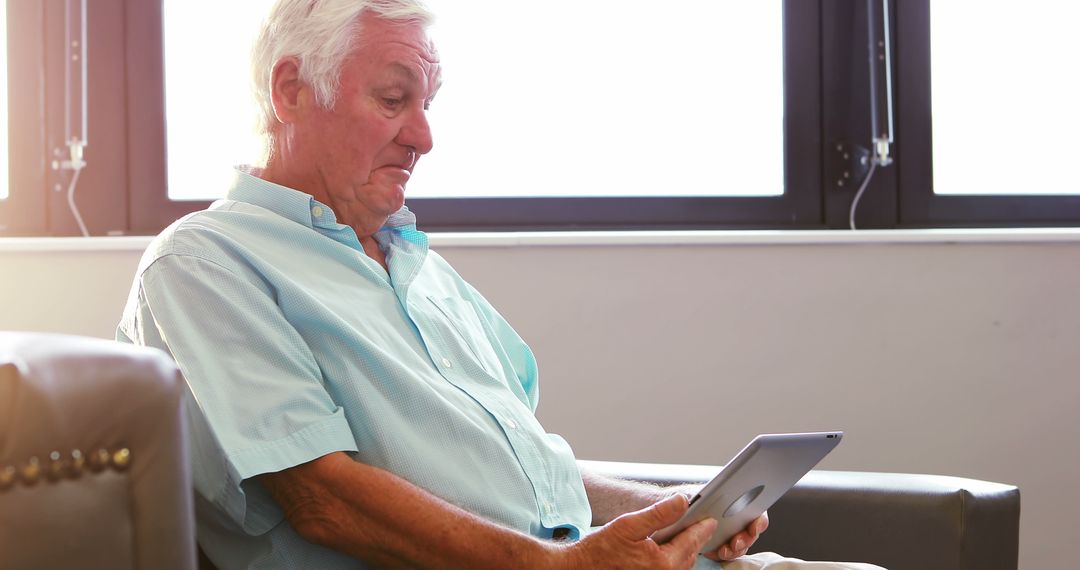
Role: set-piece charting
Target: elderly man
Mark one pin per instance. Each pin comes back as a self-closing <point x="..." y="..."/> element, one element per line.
<point x="352" y="398"/>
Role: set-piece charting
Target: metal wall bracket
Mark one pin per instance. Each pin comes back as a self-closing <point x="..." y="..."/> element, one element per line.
<point x="846" y="165"/>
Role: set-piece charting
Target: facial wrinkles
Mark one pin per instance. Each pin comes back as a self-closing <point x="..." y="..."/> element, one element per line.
<point x="422" y="63"/>
<point x="384" y="46"/>
<point x="412" y="67"/>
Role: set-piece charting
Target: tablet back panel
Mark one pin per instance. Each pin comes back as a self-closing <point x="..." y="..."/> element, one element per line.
<point x="755" y="479"/>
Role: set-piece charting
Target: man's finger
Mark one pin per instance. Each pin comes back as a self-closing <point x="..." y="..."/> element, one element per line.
<point x="685" y="546"/>
<point x="720" y="554"/>
<point x="639" y="525"/>
<point x="741" y="542"/>
<point x="760" y="524"/>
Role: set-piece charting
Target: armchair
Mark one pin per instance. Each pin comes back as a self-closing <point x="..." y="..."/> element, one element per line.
<point x="93" y="458"/>
<point x="124" y="499"/>
<point x="896" y="520"/>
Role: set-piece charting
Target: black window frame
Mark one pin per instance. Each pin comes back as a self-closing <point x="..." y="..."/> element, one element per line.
<point x="797" y="207"/>
<point x="920" y="206"/>
<point x="24" y="211"/>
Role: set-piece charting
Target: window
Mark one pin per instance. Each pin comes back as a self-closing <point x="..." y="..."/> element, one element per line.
<point x="23" y="198"/>
<point x="199" y="166"/>
<point x="696" y="114"/>
<point x="586" y="116"/>
<point x="612" y="103"/>
<point x="657" y="105"/>
<point x="986" y="123"/>
<point x="626" y="117"/>
<point x="3" y="105"/>
<point x="1002" y="110"/>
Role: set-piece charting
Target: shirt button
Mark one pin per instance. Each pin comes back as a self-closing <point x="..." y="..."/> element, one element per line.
<point x="316" y="211"/>
<point x="511" y="423"/>
<point x="446" y="362"/>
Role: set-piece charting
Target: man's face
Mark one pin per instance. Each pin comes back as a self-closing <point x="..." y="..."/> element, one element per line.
<point x="365" y="148"/>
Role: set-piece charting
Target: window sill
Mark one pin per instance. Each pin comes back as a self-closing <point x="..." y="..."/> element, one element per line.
<point x="640" y="238"/>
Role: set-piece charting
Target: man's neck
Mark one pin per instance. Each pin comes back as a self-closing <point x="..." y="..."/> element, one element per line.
<point x="372" y="249"/>
<point x="352" y="214"/>
<point x="364" y="232"/>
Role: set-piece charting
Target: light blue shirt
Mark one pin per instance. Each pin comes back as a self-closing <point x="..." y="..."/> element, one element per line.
<point x="295" y="344"/>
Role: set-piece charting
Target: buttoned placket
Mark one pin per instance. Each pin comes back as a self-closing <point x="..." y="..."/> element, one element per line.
<point x="520" y="440"/>
<point x="523" y="445"/>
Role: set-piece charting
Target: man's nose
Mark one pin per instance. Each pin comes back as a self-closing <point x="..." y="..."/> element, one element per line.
<point x="416" y="133"/>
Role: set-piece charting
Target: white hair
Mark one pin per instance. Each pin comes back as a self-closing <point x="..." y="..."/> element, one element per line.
<point x="320" y="34"/>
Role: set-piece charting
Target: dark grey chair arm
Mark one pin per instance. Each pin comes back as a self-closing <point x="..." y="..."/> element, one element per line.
<point x="899" y="521"/>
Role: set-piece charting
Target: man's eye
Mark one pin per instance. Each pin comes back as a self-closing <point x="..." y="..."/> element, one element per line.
<point x="391" y="102"/>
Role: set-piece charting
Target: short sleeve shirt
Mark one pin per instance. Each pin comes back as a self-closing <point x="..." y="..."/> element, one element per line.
<point x="295" y="343"/>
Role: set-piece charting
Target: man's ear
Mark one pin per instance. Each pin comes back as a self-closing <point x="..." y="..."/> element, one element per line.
<point x="287" y="92"/>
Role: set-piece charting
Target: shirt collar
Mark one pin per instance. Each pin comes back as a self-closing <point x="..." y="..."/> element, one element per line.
<point x="298" y="206"/>
<point x="405" y="247"/>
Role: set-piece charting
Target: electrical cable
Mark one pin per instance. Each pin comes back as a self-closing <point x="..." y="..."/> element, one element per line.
<point x="881" y="97"/>
<point x="71" y="200"/>
<point x="76" y="72"/>
<point x="862" y="188"/>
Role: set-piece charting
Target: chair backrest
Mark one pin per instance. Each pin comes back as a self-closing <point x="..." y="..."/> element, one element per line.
<point x="94" y="470"/>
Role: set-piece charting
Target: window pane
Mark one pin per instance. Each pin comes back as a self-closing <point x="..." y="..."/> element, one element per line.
<point x="1004" y="96"/>
<point x="209" y="111"/>
<point x="3" y="104"/>
<point x="607" y="97"/>
<point x="554" y="98"/>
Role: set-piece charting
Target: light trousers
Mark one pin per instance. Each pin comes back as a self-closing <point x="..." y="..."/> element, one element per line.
<point x="773" y="561"/>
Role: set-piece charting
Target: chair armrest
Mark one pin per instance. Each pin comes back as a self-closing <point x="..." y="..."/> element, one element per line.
<point x="896" y="520"/>
<point x="128" y="508"/>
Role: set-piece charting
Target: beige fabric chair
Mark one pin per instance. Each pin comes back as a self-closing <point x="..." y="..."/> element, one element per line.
<point x="93" y="457"/>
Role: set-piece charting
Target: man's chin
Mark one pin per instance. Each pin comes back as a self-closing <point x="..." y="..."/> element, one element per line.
<point x="393" y="204"/>
<point x="384" y="197"/>
<point x="398" y="201"/>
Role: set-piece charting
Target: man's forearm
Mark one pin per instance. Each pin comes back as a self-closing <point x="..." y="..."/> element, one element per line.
<point x="610" y="497"/>
<point x="375" y="516"/>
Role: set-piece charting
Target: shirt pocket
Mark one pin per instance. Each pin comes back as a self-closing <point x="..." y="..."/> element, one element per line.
<point x="464" y="321"/>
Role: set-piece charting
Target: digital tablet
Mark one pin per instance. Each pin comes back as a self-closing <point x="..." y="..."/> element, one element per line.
<point x="747" y="486"/>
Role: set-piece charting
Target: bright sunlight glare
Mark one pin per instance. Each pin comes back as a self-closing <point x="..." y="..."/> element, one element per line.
<point x="1004" y="87"/>
<point x="619" y="100"/>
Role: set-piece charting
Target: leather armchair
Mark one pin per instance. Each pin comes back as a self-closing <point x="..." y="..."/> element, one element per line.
<point x="93" y="459"/>
<point x="125" y="499"/>
<point x="896" y="520"/>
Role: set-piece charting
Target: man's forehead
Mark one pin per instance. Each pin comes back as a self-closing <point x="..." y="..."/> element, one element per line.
<point x="407" y="70"/>
<point x="380" y="34"/>
<point x="409" y="73"/>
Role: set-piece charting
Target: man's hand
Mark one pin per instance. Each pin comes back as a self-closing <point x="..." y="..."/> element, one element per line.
<point x="625" y="542"/>
<point x="741" y="542"/>
<point x="609" y="497"/>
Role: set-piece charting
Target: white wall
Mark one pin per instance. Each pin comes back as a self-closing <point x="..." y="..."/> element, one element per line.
<point x="933" y="356"/>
